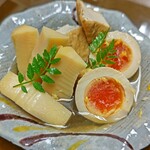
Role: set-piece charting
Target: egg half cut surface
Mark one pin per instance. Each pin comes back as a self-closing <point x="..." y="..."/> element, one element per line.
<point x="104" y="95"/>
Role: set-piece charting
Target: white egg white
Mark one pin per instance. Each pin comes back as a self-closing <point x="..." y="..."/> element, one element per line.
<point x="98" y="73"/>
<point x="135" y="50"/>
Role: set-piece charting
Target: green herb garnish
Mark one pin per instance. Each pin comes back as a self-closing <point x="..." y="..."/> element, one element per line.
<point x="98" y="41"/>
<point x="38" y="69"/>
<point x="103" y="56"/>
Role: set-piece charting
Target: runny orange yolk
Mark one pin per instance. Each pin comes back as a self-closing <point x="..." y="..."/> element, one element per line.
<point x="104" y="94"/>
<point x="124" y="56"/>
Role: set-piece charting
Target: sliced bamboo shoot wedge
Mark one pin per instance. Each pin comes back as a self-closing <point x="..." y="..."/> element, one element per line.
<point x="48" y="38"/>
<point x="40" y="105"/>
<point x="77" y="40"/>
<point x="66" y="29"/>
<point x="70" y="65"/>
<point x="24" y="38"/>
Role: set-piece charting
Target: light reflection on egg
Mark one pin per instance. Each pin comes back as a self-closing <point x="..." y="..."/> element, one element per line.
<point x="104" y="95"/>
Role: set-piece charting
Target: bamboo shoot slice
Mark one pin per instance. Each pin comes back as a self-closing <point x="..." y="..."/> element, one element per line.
<point x="48" y="38"/>
<point x="66" y="29"/>
<point x="24" y="38"/>
<point x="40" y="105"/>
<point x="70" y="65"/>
<point x="77" y="40"/>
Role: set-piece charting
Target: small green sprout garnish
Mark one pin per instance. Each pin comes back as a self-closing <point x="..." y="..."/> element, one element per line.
<point x="38" y="69"/>
<point x="103" y="56"/>
<point x="98" y="41"/>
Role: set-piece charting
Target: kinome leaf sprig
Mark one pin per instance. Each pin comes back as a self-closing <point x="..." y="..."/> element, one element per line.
<point x="104" y="55"/>
<point x="38" y="69"/>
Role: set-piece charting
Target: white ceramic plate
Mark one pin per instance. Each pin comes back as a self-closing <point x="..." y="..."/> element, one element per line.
<point x="133" y="132"/>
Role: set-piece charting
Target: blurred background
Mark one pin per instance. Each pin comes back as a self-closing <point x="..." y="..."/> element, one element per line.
<point x="138" y="11"/>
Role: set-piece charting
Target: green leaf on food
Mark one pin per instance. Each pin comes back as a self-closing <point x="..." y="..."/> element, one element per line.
<point x="98" y="56"/>
<point x="46" y="55"/>
<point x="109" y="62"/>
<point x="38" y="86"/>
<point x="53" y="52"/>
<point x="111" y="45"/>
<point x="55" y="61"/>
<point x="35" y="65"/>
<point x="102" y="65"/>
<point x="23" y="88"/>
<point x="93" y="61"/>
<point x="98" y="41"/>
<point x="30" y="72"/>
<point x="47" y="79"/>
<point x="53" y="71"/>
<point x="41" y="61"/>
<point x="20" y="77"/>
<point x="41" y="64"/>
<point x="103" y="55"/>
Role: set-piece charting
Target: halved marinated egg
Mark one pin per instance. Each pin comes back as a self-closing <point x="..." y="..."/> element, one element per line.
<point x="127" y="51"/>
<point x="104" y="95"/>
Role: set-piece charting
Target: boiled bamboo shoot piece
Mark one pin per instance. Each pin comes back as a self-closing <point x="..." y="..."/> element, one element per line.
<point x="48" y="38"/>
<point x="70" y="65"/>
<point x="66" y="29"/>
<point x="40" y="105"/>
<point x="24" y="38"/>
<point x="91" y="21"/>
<point x="77" y="40"/>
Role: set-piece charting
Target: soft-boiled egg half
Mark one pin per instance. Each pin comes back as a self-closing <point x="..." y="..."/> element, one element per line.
<point x="104" y="95"/>
<point x="127" y="51"/>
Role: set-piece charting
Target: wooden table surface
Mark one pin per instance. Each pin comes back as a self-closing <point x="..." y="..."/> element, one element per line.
<point x="138" y="12"/>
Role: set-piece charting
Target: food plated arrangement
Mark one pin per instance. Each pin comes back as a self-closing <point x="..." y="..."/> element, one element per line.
<point x="74" y="72"/>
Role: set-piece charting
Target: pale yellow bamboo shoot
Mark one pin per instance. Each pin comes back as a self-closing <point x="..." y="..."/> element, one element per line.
<point x="40" y="105"/>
